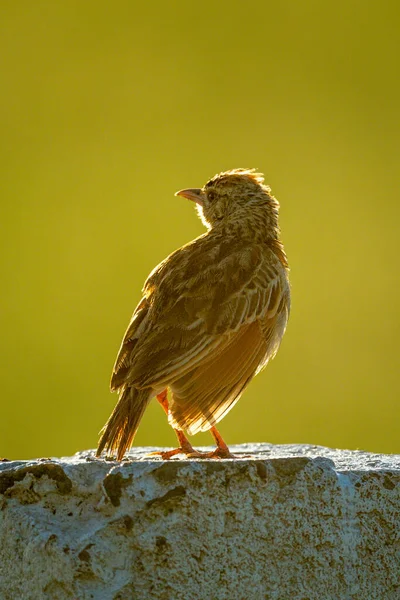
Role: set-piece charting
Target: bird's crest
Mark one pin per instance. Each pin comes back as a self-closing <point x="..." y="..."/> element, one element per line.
<point x="228" y="176"/>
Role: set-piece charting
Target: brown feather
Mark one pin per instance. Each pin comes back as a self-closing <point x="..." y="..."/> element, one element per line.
<point x="119" y="431"/>
<point x="179" y="338"/>
<point x="203" y="397"/>
<point x="123" y="360"/>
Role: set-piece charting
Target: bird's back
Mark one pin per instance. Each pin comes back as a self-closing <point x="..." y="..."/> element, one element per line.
<point x="208" y="308"/>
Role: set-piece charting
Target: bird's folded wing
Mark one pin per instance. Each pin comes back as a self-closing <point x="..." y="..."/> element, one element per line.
<point x="204" y="395"/>
<point x="131" y="337"/>
<point x="207" y="316"/>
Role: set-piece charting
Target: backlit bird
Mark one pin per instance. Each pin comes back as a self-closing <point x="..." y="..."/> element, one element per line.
<point x="212" y="315"/>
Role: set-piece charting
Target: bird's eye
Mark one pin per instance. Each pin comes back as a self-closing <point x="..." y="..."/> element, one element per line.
<point x="211" y="195"/>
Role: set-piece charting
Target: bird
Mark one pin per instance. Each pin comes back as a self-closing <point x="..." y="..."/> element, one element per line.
<point x="212" y="315"/>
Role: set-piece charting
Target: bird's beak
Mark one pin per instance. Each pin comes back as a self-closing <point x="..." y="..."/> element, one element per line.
<point x="194" y="194"/>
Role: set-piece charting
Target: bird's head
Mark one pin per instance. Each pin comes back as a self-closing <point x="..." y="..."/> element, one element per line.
<point x="235" y="196"/>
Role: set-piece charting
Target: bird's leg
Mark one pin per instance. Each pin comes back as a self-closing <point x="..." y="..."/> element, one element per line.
<point x="163" y="400"/>
<point x="185" y="447"/>
<point x="222" y="450"/>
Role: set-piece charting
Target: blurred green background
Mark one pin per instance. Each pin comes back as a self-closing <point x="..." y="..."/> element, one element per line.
<point x="106" y="110"/>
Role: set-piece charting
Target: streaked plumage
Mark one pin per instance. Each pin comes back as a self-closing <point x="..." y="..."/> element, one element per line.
<point x="212" y="315"/>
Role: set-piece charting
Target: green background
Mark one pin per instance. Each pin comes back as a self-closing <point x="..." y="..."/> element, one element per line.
<point x="108" y="108"/>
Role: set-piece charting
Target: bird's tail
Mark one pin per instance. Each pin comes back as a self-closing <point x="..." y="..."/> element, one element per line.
<point x="119" y="431"/>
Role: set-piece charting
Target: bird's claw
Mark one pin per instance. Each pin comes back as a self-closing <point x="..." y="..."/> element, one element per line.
<point x="218" y="453"/>
<point x="189" y="453"/>
<point x="166" y="454"/>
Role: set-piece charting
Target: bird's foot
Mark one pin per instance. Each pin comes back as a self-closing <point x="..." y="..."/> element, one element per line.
<point x="190" y="452"/>
<point x="222" y="450"/>
<point x="221" y="453"/>
<point x="217" y="453"/>
<point x="167" y="454"/>
<point x="185" y="448"/>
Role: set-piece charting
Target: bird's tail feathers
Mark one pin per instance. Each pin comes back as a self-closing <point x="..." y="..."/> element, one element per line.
<point x="118" y="433"/>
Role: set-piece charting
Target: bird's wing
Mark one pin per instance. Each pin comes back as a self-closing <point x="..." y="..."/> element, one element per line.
<point x="208" y="314"/>
<point x="257" y="319"/>
<point x="127" y="348"/>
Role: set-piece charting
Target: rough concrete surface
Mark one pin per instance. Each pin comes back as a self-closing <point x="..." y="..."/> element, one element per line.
<point x="280" y="523"/>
